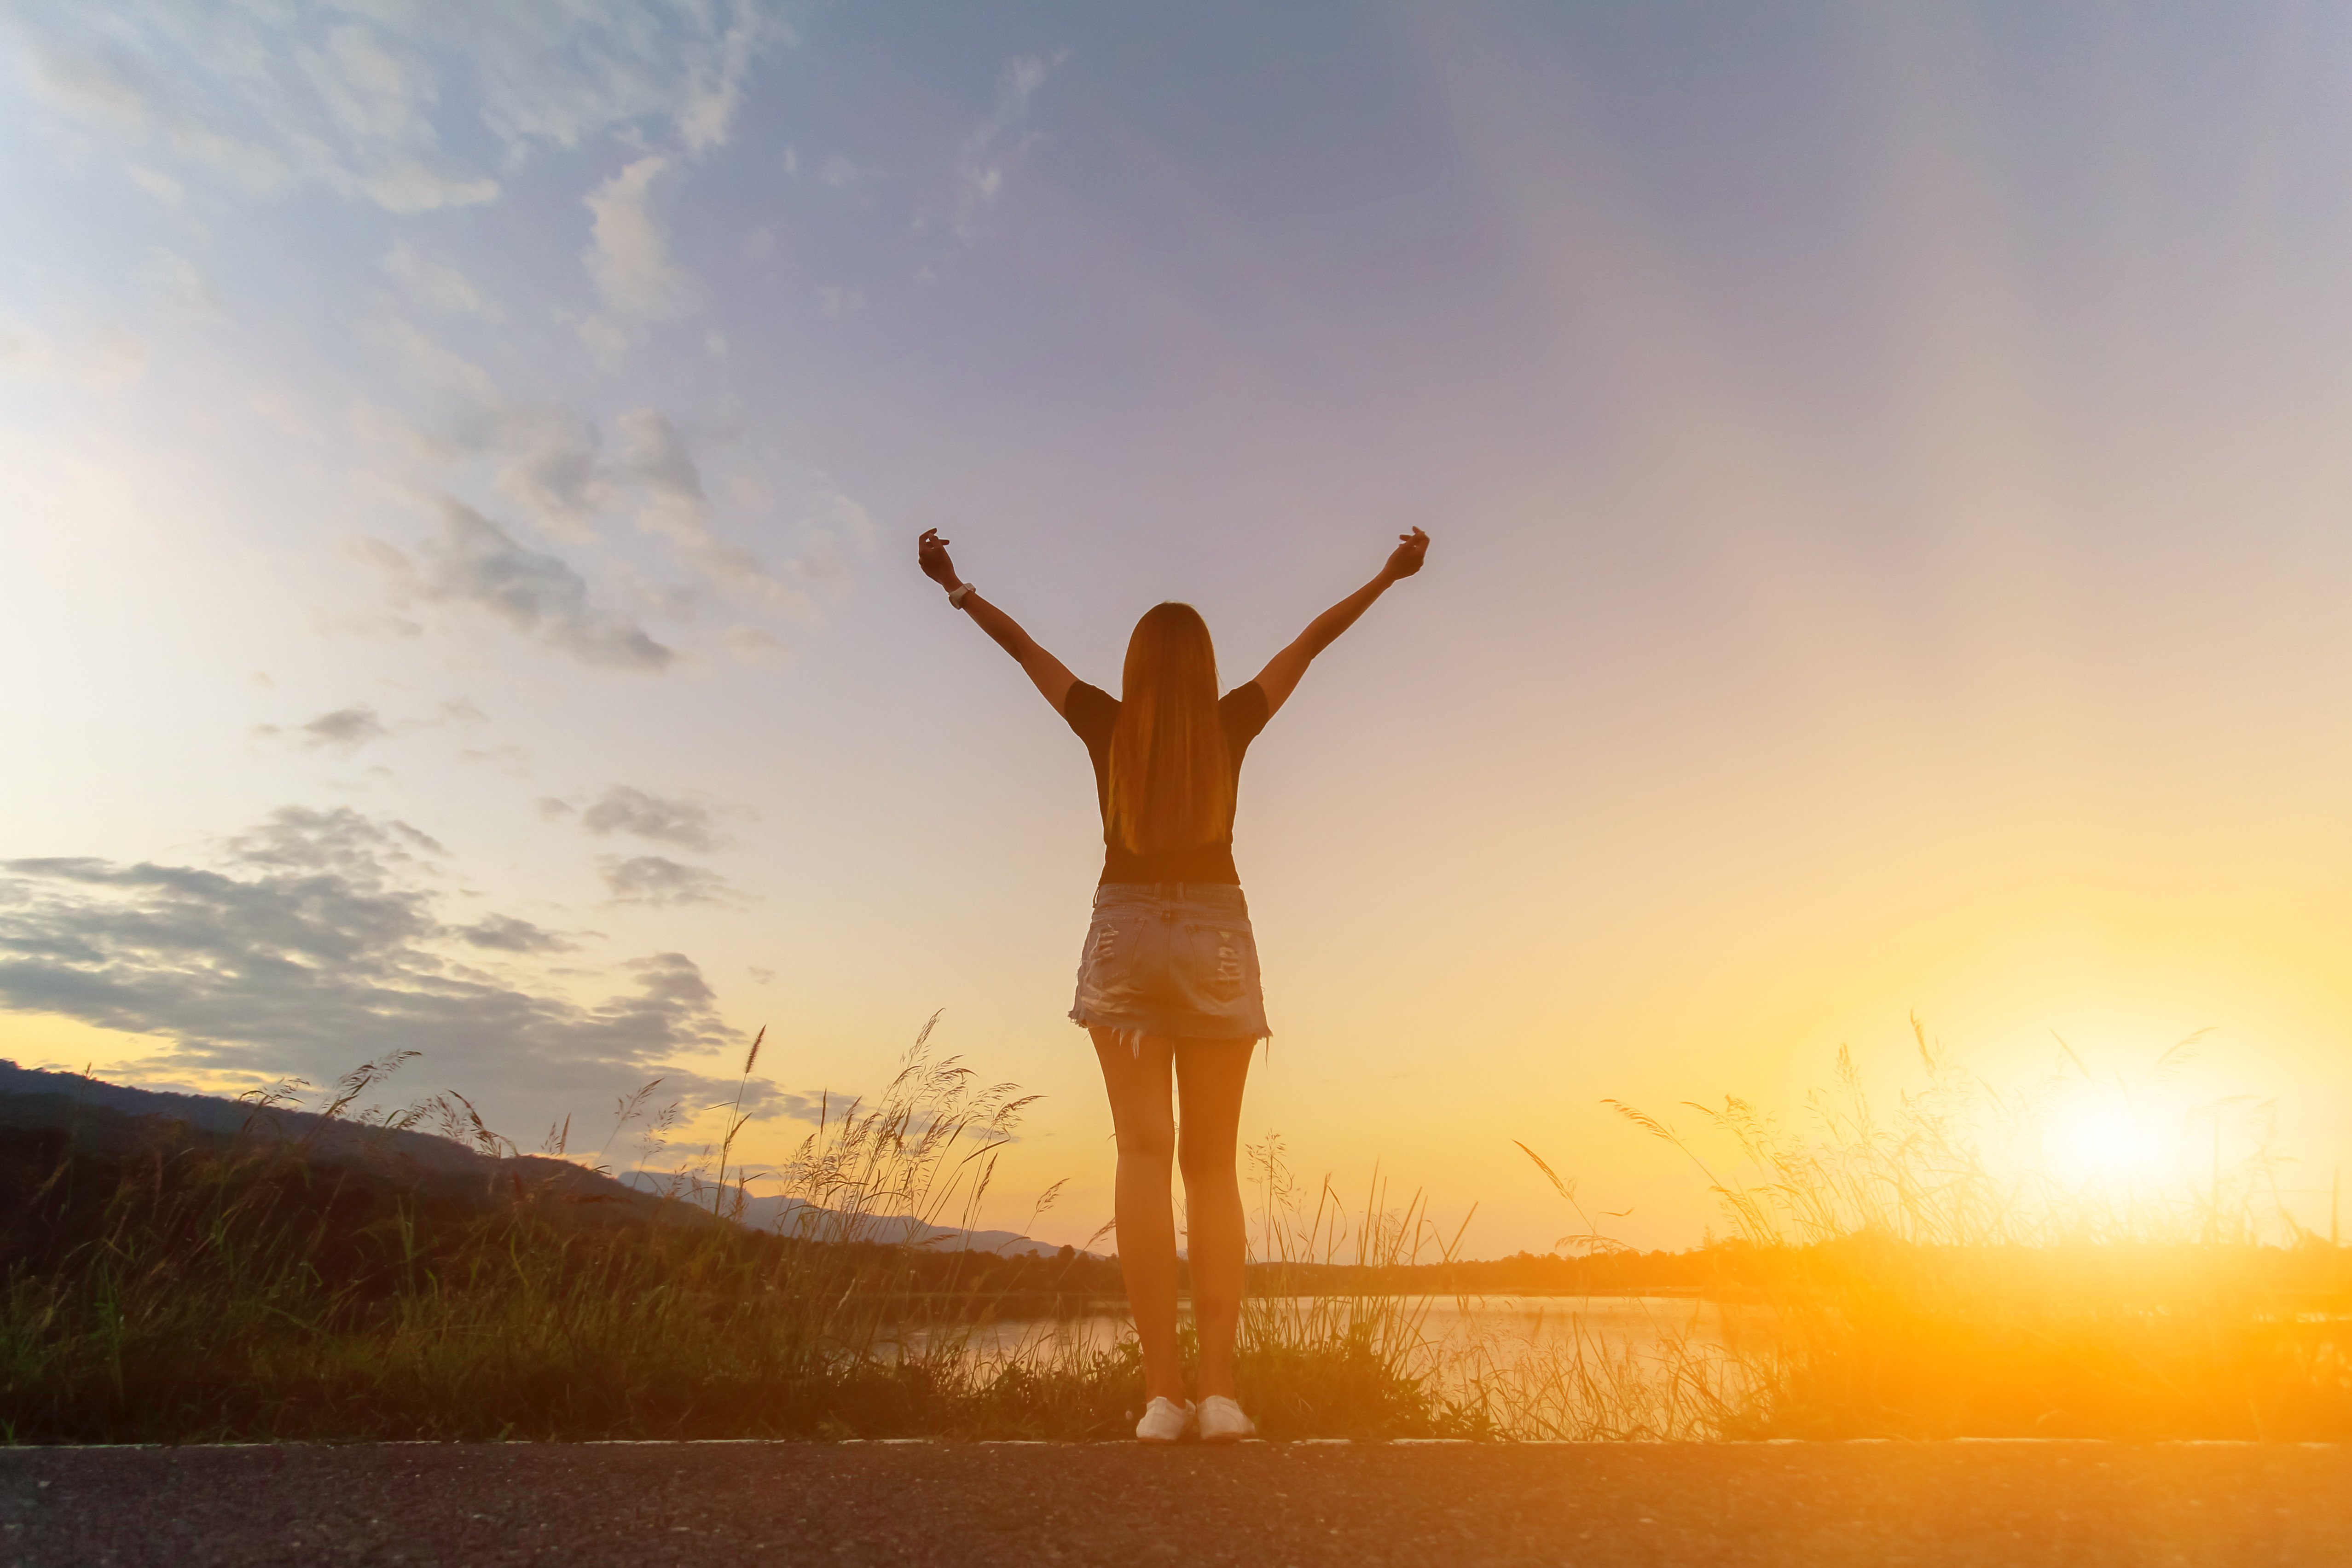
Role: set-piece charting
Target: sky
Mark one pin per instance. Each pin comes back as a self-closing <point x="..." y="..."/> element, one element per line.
<point x="459" y="472"/>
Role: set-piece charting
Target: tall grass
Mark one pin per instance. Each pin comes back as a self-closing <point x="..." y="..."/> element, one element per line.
<point x="1932" y="1269"/>
<point x="1313" y="1358"/>
<point x="198" y="1288"/>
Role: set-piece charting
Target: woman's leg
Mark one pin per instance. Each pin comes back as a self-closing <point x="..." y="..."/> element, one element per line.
<point x="1144" y="1121"/>
<point x="1210" y="1074"/>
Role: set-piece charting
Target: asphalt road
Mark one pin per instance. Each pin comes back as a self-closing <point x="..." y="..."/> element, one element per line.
<point x="1259" y="1504"/>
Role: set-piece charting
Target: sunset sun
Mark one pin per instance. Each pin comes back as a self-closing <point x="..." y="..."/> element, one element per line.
<point x="2105" y="1141"/>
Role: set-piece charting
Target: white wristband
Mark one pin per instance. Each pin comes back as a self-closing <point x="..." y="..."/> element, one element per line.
<point x="959" y="593"/>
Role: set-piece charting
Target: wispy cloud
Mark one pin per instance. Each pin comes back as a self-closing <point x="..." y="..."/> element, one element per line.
<point x="512" y="933"/>
<point x="715" y="78"/>
<point x="555" y="465"/>
<point x="661" y="882"/>
<point x="109" y="357"/>
<point x="182" y="285"/>
<point x="628" y="259"/>
<point x="439" y="367"/>
<point x="549" y="461"/>
<point x="690" y="824"/>
<point x="653" y="455"/>
<point x="552" y="468"/>
<point x="437" y="286"/>
<point x="352" y="97"/>
<point x="346" y="730"/>
<point x="843" y="174"/>
<point x="653" y="462"/>
<point x="474" y="563"/>
<point x="158" y="184"/>
<point x="369" y="853"/>
<point x="1000" y="144"/>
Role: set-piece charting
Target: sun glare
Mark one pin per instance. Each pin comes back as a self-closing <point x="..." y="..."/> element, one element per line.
<point x="2103" y="1140"/>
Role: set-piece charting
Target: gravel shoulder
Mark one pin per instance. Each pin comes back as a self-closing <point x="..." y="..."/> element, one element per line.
<point x="584" y="1505"/>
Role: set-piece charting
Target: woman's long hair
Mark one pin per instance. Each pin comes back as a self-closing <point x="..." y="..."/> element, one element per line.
<point x="1171" y="778"/>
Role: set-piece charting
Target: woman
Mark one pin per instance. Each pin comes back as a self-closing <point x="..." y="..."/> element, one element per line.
<point x="1169" y="978"/>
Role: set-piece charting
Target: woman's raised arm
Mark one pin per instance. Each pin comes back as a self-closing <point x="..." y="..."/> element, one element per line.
<point x="1052" y="677"/>
<point x="1280" y="676"/>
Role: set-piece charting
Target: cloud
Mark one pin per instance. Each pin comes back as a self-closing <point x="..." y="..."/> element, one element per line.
<point x="652" y="455"/>
<point x="715" y="87"/>
<point x="549" y="463"/>
<point x="474" y="561"/>
<point x="158" y="184"/>
<point x="685" y="823"/>
<point x="107" y="358"/>
<point x="439" y="287"/>
<point x="671" y="502"/>
<point x="369" y="851"/>
<point x="551" y="809"/>
<point x="752" y="644"/>
<point x="552" y="463"/>
<point x="629" y="261"/>
<point x="182" y="284"/>
<point x="841" y="175"/>
<point x="763" y="1101"/>
<point x="442" y="369"/>
<point x="554" y="466"/>
<point x="577" y="69"/>
<point x="270" y="106"/>
<point x="346" y="730"/>
<point x="998" y="147"/>
<point x="510" y="933"/>
<point x="353" y="96"/>
<point x="663" y="884"/>
<point x="314" y="943"/>
<point x="628" y="257"/>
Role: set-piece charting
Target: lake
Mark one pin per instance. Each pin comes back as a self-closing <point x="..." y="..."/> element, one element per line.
<point x="1498" y="1329"/>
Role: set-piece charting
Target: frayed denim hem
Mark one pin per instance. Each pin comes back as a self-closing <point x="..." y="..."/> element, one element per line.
<point x="1131" y="1035"/>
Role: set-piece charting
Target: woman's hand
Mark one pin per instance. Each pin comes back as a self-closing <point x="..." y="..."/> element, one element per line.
<point x="1406" y="559"/>
<point x="931" y="555"/>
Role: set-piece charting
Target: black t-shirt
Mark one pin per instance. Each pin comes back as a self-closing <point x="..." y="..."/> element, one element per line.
<point x="1094" y="714"/>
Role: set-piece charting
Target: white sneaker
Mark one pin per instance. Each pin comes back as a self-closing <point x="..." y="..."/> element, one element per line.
<point x="1221" y="1421"/>
<point x="1165" y="1420"/>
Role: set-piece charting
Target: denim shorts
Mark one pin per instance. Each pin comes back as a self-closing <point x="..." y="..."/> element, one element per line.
<point x="1171" y="958"/>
